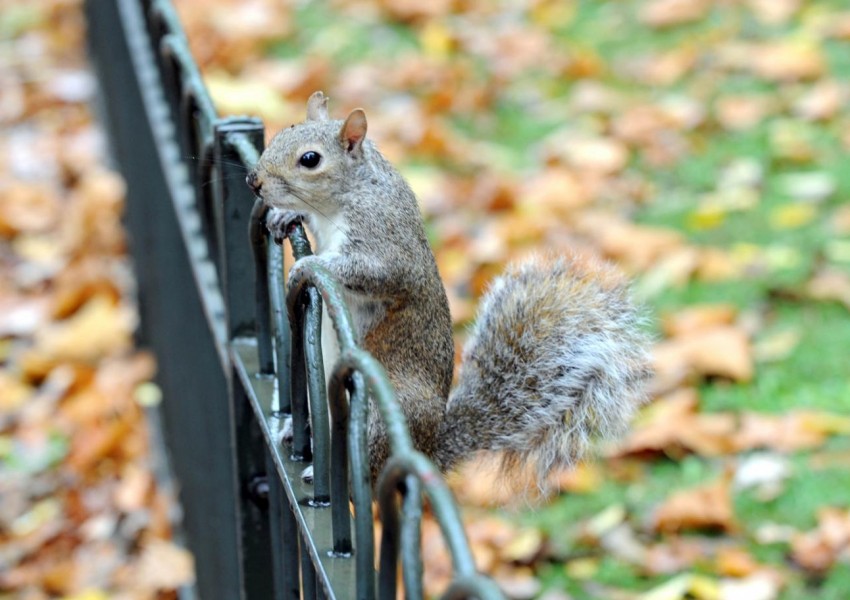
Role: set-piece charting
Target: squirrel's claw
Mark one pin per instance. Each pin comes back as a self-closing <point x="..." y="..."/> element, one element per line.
<point x="280" y="222"/>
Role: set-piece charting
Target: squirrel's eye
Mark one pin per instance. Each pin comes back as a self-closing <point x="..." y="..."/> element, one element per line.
<point x="310" y="159"/>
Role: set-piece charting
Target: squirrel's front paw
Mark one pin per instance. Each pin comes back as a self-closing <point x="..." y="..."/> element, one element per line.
<point x="278" y="221"/>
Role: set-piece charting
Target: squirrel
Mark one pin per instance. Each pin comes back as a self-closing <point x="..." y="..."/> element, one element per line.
<point x="557" y="356"/>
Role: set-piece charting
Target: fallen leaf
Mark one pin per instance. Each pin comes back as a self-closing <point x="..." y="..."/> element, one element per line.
<point x="774" y="12"/>
<point x="797" y="430"/>
<point x="822" y="102"/>
<point x="720" y="351"/>
<point x="133" y="488"/>
<point x="716" y="264"/>
<point x="524" y="546"/>
<point x="792" y="216"/>
<point x="556" y="191"/>
<point x="636" y="247"/>
<point x="672" y="425"/>
<point x="819" y="549"/>
<point x="584" y="478"/>
<point x="777" y="346"/>
<point x="698" y="317"/>
<point x="13" y="392"/>
<point x="519" y="586"/>
<point x="28" y="208"/>
<point x="582" y="568"/>
<point x="739" y="113"/>
<point x="704" y="507"/>
<point x="787" y="60"/>
<point x="164" y="565"/>
<point x="792" y="140"/>
<point x="840" y="220"/>
<point x="831" y="285"/>
<point x="668" y="13"/>
<point x="595" y="154"/>
<point x="239" y="96"/>
<point x="96" y="330"/>
<point x="673" y="270"/>
<point x="686" y="585"/>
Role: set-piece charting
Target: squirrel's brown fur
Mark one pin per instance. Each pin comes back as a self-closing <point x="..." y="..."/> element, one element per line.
<point x="557" y="356"/>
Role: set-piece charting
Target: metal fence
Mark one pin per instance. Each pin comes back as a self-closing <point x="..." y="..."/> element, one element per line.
<point x="238" y="350"/>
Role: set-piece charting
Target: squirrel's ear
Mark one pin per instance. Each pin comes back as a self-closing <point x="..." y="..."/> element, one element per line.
<point x="353" y="131"/>
<point x="317" y="107"/>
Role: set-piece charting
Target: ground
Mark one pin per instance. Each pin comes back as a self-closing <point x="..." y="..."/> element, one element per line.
<point x="699" y="145"/>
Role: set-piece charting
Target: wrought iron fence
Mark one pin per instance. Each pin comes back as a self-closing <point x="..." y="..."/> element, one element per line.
<point x="239" y="351"/>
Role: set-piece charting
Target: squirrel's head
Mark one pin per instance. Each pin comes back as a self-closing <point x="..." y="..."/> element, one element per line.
<point x="306" y="166"/>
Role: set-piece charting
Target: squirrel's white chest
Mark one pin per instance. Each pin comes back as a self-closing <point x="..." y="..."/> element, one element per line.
<point x="365" y="314"/>
<point x="328" y="233"/>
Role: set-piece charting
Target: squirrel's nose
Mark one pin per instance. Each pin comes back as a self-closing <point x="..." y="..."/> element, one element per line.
<point x="253" y="182"/>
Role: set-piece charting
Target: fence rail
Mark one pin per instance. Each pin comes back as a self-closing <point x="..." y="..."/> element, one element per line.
<point x="239" y="351"/>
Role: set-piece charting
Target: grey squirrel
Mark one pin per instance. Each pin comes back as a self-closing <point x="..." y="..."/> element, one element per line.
<point x="556" y="358"/>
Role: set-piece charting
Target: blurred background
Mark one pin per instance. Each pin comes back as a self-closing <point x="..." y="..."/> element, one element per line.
<point x="700" y="145"/>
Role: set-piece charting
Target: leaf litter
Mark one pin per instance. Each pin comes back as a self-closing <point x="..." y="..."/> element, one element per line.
<point x="82" y="515"/>
<point x="544" y="125"/>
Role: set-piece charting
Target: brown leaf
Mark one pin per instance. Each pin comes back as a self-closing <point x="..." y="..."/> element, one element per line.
<point x="519" y="585"/>
<point x="716" y="264"/>
<point x="98" y="444"/>
<point x="819" y="549"/>
<point x="822" y="101"/>
<point x="96" y="330"/>
<point x="637" y="247"/>
<point x="719" y="351"/>
<point x="133" y="488"/>
<point x="831" y="285"/>
<point x="786" y="60"/>
<point x="660" y="68"/>
<point x="739" y="113"/>
<point x="668" y="13"/>
<point x="672" y="270"/>
<point x="797" y="430"/>
<point x="28" y="207"/>
<point x="774" y="12"/>
<point x="79" y="282"/>
<point x="13" y="392"/>
<point x="735" y="562"/>
<point x="164" y="566"/>
<point x="596" y="154"/>
<point x="672" y="425"/>
<point x="676" y="554"/>
<point x="703" y="507"/>
<point x="524" y="547"/>
<point x="697" y="318"/>
<point x="556" y="191"/>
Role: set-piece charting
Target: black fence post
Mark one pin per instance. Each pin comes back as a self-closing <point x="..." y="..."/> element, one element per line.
<point x="233" y="210"/>
<point x="179" y="315"/>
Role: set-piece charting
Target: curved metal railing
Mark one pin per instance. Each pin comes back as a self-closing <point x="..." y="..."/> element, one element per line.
<point x="271" y="356"/>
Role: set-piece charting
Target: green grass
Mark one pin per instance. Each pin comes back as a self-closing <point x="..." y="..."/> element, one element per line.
<point x="813" y="375"/>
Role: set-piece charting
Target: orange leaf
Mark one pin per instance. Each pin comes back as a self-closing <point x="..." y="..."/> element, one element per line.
<point x="704" y="507"/>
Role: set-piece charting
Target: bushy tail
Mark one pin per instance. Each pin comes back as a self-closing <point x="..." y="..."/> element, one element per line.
<point x="556" y="359"/>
